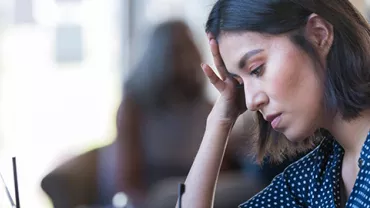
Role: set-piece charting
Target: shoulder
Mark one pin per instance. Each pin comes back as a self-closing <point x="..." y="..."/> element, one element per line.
<point x="310" y="165"/>
<point x="306" y="163"/>
<point x="292" y="186"/>
<point x="275" y="195"/>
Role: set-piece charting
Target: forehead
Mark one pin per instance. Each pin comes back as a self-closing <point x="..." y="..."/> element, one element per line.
<point x="233" y="46"/>
<point x="245" y="37"/>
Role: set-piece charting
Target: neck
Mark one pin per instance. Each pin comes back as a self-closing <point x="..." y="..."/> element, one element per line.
<point x="351" y="135"/>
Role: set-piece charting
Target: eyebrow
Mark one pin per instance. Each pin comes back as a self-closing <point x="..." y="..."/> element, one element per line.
<point x="247" y="56"/>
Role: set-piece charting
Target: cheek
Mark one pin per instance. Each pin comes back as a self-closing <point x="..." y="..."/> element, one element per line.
<point x="291" y="74"/>
<point x="296" y="90"/>
<point x="284" y="81"/>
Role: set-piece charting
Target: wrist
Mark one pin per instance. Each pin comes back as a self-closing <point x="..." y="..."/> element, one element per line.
<point x="220" y="122"/>
<point x="217" y="117"/>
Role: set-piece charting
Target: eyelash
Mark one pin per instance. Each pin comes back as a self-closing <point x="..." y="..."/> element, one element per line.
<point x="257" y="71"/>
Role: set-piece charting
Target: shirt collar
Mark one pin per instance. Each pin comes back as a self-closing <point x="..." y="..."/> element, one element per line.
<point x="365" y="153"/>
<point x="364" y="156"/>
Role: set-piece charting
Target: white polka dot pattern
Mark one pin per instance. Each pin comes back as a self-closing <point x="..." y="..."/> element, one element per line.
<point x="314" y="181"/>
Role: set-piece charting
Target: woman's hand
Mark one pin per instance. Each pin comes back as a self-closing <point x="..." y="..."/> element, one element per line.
<point x="231" y="102"/>
<point x="202" y="179"/>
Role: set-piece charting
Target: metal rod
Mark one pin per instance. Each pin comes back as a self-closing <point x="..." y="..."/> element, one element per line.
<point x="181" y="192"/>
<point x="18" y="205"/>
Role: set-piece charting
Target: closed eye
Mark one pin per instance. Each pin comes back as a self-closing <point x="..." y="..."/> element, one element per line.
<point x="258" y="70"/>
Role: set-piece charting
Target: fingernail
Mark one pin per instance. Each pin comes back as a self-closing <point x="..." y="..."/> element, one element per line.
<point x="202" y="65"/>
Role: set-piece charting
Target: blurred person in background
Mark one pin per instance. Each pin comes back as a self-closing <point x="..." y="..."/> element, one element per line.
<point x="160" y="123"/>
<point x="162" y="117"/>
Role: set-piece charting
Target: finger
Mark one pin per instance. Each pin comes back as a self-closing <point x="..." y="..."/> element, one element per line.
<point x="213" y="78"/>
<point x="220" y="66"/>
<point x="237" y="81"/>
<point x="241" y="100"/>
<point x="237" y="89"/>
<point x="210" y="36"/>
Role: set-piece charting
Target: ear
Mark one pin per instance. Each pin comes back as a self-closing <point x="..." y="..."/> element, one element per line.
<point x="320" y="33"/>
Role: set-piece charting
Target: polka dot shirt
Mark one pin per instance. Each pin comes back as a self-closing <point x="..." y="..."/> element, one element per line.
<point x="314" y="181"/>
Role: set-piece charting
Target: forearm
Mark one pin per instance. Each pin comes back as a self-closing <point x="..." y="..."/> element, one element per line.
<point x="202" y="178"/>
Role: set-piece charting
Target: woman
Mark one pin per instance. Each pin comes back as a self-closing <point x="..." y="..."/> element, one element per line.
<point x="305" y="70"/>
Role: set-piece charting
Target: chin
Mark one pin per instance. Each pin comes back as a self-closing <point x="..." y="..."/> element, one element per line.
<point x="297" y="136"/>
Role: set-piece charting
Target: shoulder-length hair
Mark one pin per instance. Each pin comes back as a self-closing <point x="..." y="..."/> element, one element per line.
<point x="153" y="76"/>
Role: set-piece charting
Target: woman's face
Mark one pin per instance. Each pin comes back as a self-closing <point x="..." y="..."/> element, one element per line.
<point x="279" y="78"/>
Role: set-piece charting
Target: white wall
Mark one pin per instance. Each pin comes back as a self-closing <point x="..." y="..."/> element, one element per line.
<point x="50" y="112"/>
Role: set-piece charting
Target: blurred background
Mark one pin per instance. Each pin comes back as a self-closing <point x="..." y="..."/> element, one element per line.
<point x="63" y="69"/>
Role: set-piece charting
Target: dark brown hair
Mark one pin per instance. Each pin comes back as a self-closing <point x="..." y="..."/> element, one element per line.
<point x="155" y="76"/>
<point x="347" y="78"/>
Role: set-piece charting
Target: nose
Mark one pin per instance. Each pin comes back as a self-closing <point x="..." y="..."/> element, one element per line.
<point x="255" y="98"/>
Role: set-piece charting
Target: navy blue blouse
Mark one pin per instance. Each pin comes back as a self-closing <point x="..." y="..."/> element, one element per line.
<point x="314" y="181"/>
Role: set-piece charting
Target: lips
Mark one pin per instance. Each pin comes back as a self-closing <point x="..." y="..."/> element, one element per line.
<point x="274" y="119"/>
